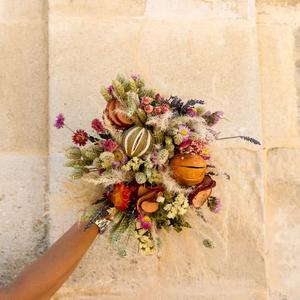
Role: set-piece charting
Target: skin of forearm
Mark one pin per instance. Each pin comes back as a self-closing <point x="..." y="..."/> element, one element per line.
<point x="44" y="277"/>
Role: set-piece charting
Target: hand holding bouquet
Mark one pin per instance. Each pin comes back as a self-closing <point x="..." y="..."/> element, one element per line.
<point x="152" y="157"/>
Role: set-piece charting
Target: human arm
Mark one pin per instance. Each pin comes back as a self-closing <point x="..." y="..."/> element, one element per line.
<point x="43" y="277"/>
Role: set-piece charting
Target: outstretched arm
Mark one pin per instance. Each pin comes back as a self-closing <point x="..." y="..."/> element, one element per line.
<point x="44" y="277"/>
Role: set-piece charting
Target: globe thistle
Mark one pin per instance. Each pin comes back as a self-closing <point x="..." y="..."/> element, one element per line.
<point x="97" y="163"/>
<point x="73" y="152"/>
<point x="78" y="173"/>
<point x="148" y="172"/>
<point x="140" y="178"/>
<point x="91" y="152"/>
<point x="168" y="140"/>
<point x="75" y="164"/>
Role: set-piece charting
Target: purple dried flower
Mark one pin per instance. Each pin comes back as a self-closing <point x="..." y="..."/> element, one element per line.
<point x="214" y="204"/>
<point x="213" y="118"/>
<point x="191" y="111"/>
<point x="110" y="89"/>
<point x="135" y="76"/>
<point x="60" y="121"/>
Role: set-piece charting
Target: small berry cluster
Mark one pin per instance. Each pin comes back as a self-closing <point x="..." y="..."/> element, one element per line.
<point x="155" y="106"/>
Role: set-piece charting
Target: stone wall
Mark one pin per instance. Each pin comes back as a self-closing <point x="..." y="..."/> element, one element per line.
<point x="241" y="56"/>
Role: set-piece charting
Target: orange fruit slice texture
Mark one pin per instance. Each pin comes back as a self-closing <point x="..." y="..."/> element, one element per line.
<point x="111" y="105"/>
<point x="149" y="207"/>
<point x="201" y="197"/>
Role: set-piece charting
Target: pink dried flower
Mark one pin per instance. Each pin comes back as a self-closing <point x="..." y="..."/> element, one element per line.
<point x="109" y="145"/>
<point x="80" y="137"/>
<point x="193" y="147"/>
<point x="204" y="154"/>
<point x="145" y="221"/>
<point x="155" y="158"/>
<point x="60" y="121"/>
<point x="147" y="100"/>
<point x="184" y="131"/>
<point x="191" y="111"/>
<point x="184" y="145"/>
<point x="135" y="77"/>
<point x="148" y="108"/>
<point x="165" y="107"/>
<point x="98" y="126"/>
<point x="157" y="110"/>
<point x="158" y="97"/>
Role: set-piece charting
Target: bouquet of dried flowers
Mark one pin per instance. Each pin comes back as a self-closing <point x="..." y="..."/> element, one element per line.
<point x="151" y="155"/>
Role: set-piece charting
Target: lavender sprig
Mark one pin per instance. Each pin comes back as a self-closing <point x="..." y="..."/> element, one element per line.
<point x="246" y="138"/>
<point x="226" y="175"/>
<point x="182" y="106"/>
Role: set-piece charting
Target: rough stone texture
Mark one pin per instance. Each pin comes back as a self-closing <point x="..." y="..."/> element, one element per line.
<point x="241" y="56"/>
<point x="282" y="219"/>
<point x="24" y="134"/>
<point x="297" y="67"/>
<point x="97" y="9"/>
<point x="278" y="85"/>
<point x="23" y="232"/>
<point x="203" y="9"/>
<point x="23" y="87"/>
<point x="20" y="10"/>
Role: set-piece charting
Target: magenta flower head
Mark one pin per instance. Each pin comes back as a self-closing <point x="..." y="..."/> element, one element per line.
<point x="145" y="221"/>
<point x="60" y="121"/>
<point x="109" y="145"/>
<point x="98" y="126"/>
<point x="214" y="204"/>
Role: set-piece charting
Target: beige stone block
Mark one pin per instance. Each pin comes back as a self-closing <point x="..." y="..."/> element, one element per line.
<point x="95" y="9"/>
<point x="279" y="98"/>
<point x="22" y="205"/>
<point x="203" y="9"/>
<point x="23" y="93"/>
<point x="211" y="61"/>
<point x="207" y="60"/>
<point x="279" y="2"/>
<point x="21" y="10"/>
<point x="282" y="223"/>
<point x="83" y="57"/>
<point x="185" y="269"/>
